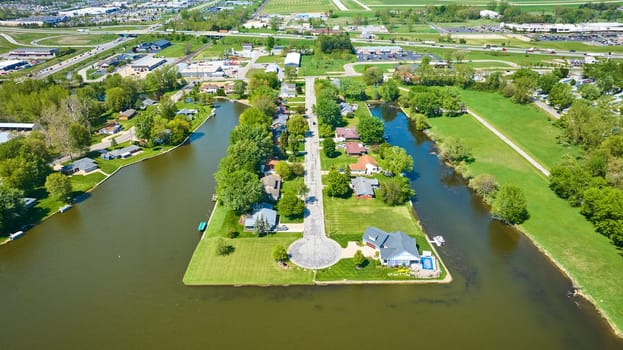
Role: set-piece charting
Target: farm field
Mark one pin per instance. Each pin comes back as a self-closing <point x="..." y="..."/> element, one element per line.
<point x="298" y="6"/>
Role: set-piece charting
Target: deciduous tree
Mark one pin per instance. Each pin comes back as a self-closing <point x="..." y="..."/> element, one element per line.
<point x="58" y="186"/>
<point x="510" y="205"/>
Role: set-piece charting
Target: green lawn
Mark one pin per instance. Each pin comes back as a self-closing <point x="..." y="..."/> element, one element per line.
<point x="270" y="59"/>
<point x="554" y="226"/>
<point x="78" y="39"/>
<point x="251" y="263"/>
<point x="526" y="125"/>
<point x="371" y="271"/>
<point x="312" y="65"/>
<point x="178" y="48"/>
<point x="298" y="6"/>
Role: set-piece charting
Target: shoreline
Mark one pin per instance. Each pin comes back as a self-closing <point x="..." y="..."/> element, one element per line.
<point x="579" y="290"/>
<point x="108" y="176"/>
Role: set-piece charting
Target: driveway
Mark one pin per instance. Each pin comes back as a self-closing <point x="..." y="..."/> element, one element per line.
<point x="315" y="250"/>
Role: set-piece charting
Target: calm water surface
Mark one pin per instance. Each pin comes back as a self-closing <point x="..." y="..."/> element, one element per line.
<point x="107" y="274"/>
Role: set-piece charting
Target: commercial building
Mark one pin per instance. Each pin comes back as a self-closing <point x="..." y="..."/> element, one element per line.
<point x="34" y="52"/>
<point x="11" y="65"/>
<point x="293" y="59"/>
<point x="147" y="64"/>
<point x="599" y="27"/>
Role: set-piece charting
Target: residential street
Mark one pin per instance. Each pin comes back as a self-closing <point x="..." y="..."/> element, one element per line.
<point x="314" y="250"/>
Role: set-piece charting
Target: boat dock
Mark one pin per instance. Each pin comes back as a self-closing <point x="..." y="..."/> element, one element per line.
<point x="438" y="240"/>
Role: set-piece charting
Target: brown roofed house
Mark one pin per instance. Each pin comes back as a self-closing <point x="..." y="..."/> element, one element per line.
<point x="365" y="165"/>
<point x="127" y="114"/>
<point x="354" y="148"/>
<point x="343" y="134"/>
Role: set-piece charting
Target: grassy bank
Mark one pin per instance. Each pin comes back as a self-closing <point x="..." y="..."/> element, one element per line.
<point x="556" y="228"/>
<point x="526" y="125"/>
<point x="251" y="262"/>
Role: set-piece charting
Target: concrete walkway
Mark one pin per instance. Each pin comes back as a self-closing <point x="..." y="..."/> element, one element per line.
<point x="314" y="250"/>
<point x="339" y="5"/>
<point x="510" y="143"/>
<point x="547" y="109"/>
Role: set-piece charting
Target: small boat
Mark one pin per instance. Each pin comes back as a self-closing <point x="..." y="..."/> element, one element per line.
<point x="64" y="208"/>
<point x="16" y="235"/>
<point x="202" y="226"/>
<point x="213" y="114"/>
<point x="439" y="240"/>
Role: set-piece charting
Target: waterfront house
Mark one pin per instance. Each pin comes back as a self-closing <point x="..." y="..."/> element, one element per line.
<point x="189" y="113"/>
<point x="266" y="214"/>
<point x="366" y="165"/>
<point x="343" y="134"/>
<point x="121" y="153"/>
<point x="354" y="148"/>
<point x="364" y="187"/>
<point x="148" y="102"/>
<point x="209" y="88"/>
<point x="84" y="165"/>
<point x="127" y="114"/>
<point x="395" y="248"/>
<point x="272" y="186"/>
<point x="228" y="88"/>
<point x="269" y="166"/>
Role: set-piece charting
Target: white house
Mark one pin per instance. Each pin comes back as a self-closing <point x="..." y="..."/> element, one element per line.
<point x="293" y="59"/>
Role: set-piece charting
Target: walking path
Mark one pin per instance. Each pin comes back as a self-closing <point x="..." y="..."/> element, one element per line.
<point x="510" y="143"/>
<point x="339" y="5"/>
<point x="362" y="5"/>
<point x="314" y="250"/>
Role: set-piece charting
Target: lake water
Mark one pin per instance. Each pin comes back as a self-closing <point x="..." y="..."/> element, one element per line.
<point x="107" y="274"/>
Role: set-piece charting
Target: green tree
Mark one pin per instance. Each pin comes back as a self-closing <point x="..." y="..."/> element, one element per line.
<point x="167" y="108"/>
<point x="523" y="88"/>
<point x="547" y="82"/>
<point x="254" y="116"/>
<point x="291" y="73"/>
<point x="396" y="160"/>
<point x="144" y="124"/>
<point x="328" y="147"/>
<point x="371" y="130"/>
<point x="117" y="99"/>
<point x="510" y="205"/>
<point x="238" y="190"/>
<point x="265" y="104"/>
<point x="222" y="248"/>
<point x="351" y="88"/>
<point x="291" y="206"/>
<point x="280" y="254"/>
<point x="372" y="75"/>
<point x="246" y="154"/>
<point x="240" y="86"/>
<point x="358" y="258"/>
<point x="395" y="190"/>
<point x="589" y="92"/>
<point x="11" y="207"/>
<point x="561" y="96"/>
<point x="180" y="128"/>
<point x="337" y="185"/>
<point x="328" y="112"/>
<point x="297" y="169"/>
<point x="297" y="125"/>
<point x="455" y="151"/>
<point x="58" y="186"/>
<point x="283" y="169"/>
<point x="389" y="91"/>
<point x="79" y="137"/>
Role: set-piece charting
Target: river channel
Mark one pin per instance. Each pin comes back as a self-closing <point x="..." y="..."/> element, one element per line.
<point x="107" y="274"/>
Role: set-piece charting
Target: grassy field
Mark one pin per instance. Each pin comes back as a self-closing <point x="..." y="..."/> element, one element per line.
<point x="78" y="39"/>
<point x="178" y="48"/>
<point x="526" y="125"/>
<point x="251" y="262"/>
<point x="310" y="65"/>
<point x="6" y="46"/>
<point x="558" y="229"/>
<point x="270" y="59"/>
<point x="298" y="6"/>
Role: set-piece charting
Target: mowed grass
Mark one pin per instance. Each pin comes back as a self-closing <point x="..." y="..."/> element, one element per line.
<point x="298" y="6"/>
<point x="251" y="262"/>
<point x="526" y="125"/>
<point x="371" y="271"/>
<point x="554" y="226"/>
<point x="311" y="65"/>
<point x="178" y="49"/>
<point x="79" y="39"/>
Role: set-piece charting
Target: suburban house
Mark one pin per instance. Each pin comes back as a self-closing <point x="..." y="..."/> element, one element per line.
<point x="288" y="90"/>
<point x="395" y="248"/>
<point x="271" y="68"/>
<point x="266" y="214"/>
<point x="29" y="202"/>
<point x="293" y="59"/>
<point x="364" y="187"/>
<point x="229" y="88"/>
<point x="354" y="148"/>
<point x="111" y="128"/>
<point x="189" y="113"/>
<point x="209" y="88"/>
<point x="125" y="152"/>
<point x="85" y="165"/>
<point x="269" y="166"/>
<point x="365" y="165"/>
<point x="127" y="114"/>
<point x="272" y="186"/>
<point x="343" y="134"/>
<point x="149" y="102"/>
<point x="345" y="108"/>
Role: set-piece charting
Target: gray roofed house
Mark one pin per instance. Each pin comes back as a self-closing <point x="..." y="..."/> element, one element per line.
<point x="125" y="152"/>
<point x="84" y="164"/>
<point x="363" y="187"/>
<point x="395" y="248"/>
<point x="268" y="215"/>
<point x="149" y="102"/>
<point x="190" y="113"/>
<point x="272" y="186"/>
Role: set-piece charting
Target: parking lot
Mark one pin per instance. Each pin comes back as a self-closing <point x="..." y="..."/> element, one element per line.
<point x="404" y="56"/>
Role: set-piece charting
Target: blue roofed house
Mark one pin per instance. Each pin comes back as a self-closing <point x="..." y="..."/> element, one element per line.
<point x="85" y="165"/>
<point x="363" y="187"/>
<point x="266" y="214"/>
<point x="395" y="248"/>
